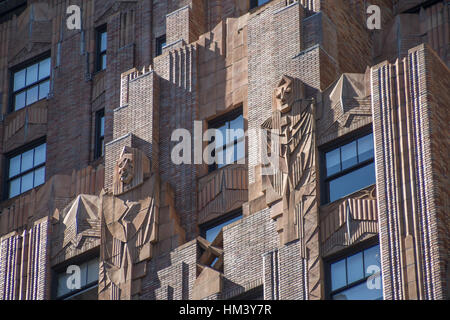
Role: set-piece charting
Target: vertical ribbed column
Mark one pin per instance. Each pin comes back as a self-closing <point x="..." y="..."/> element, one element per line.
<point x="271" y="275"/>
<point x="410" y="101"/>
<point x="37" y="271"/>
<point x="9" y="267"/>
<point x="386" y="170"/>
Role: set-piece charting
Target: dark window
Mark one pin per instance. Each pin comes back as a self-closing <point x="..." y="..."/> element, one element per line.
<point x="160" y="43"/>
<point x="252" y="294"/>
<point x="210" y="230"/>
<point x="66" y="283"/>
<point x="30" y="83"/>
<point x="357" y="276"/>
<point x="101" y="48"/>
<point x="229" y="142"/>
<point x="100" y="133"/>
<point x="257" y="3"/>
<point x="26" y="169"/>
<point x="349" y="168"/>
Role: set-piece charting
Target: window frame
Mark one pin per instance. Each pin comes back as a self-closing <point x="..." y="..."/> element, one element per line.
<point x="23" y="66"/>
<point x="219" y="122"/>
<point x="98" y="52"/>
<point x="16" y="152"/>
<point x="159" y="44"/>
<point x="99" y="139"/>
<point x="78" y="260"/>
<point x="335" y="144"/>
<point x="344" y="254"/>
<point x="204" y="227"/>
<point x="254" y="4"/>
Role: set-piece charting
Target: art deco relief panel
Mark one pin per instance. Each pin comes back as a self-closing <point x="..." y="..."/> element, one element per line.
<point x="129" y="228"/>
<point x="344" y="106"/>
<point x="348" y="221"/>
<point x="221" y="192"/>
<point x="291" y="190"/>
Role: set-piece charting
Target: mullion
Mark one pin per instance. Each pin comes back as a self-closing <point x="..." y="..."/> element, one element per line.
<point x="348" y="170"/>
<point x="353" y="284"/>
<point x="26" y="87"/>
<point x="24" y="173"/>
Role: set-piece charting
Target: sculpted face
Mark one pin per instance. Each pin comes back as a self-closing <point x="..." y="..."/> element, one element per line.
<point x="284" y="95"/>
<point x="126" y="168"/>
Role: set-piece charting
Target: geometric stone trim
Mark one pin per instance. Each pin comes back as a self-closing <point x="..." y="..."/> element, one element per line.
<point x="348" y="221"/>
<point x="222" y="191"/>
<point x="24" y="263"/>
<point x="410" y="112"/>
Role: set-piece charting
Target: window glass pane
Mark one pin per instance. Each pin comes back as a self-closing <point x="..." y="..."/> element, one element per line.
<point x="348" y="153"/>
<point x="355" y="268"/>
<point x="235" y="125"/>
<point x="20" y="100"/>
<point x="44" y="69"/>
<point x="372" y="258"/>
<point x="102" y="143"/>
<point x="103" y="62"/>
<point x="351" y="182"/>
<point x="230" y="155"/>
<point x="338" y="275"/>
<point x="27" y="160"/>
<point x="103" y="41"/>
<point x="220" y="157"/>
<point x="365" y="148"/>
<point x="212" y="233"/>
<point x="62" y="284"/>
<point x="32" y="95"/>
<point x="39" y="176"/>
<point x="240" y="150"/>
<point x="39" y="154"/>
<point x="14" y="188"/>
<point x="92" y="271"/>
<point x="19" y="79"/>
<point x="333" y="162"/>
<point x="32" y="74"/>
<point x="27" y="182"/>
<point x="222" y="131"/>
<point x="362" y="291"/>
<point x="83" y="274"/>
<point x="44" y="88"/>
<point x="102" y="126"/>
<point x="14" y="166"/>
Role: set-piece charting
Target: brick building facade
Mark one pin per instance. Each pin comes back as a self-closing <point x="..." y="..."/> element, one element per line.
<point x="341" y="190"/>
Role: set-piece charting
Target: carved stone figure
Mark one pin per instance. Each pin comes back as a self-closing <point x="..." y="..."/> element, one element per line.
<point x="129" y="227"/>
<point x="291" y="191"/>
<point x="126" y="168"/>
<point x="130" y="170"/>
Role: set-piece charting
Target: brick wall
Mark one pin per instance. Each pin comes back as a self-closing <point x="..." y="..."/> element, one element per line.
<point x="283" y="279"/>
<point x="171" y="276"/>
<point x="178" y="109"/>
<point x="244" y="244"/>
